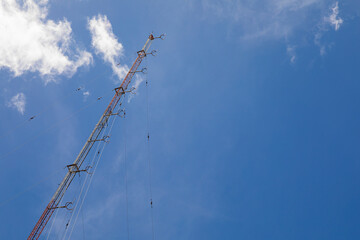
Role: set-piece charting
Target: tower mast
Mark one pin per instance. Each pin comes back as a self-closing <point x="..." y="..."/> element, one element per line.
<point x="94" y="137"/>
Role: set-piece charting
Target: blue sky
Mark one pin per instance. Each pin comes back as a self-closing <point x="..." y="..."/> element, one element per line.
<point x="253" y="115"/>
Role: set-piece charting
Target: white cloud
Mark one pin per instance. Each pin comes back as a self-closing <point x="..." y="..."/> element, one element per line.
<point x="18" y="102"/>
<point x="31" y="42"/>
<point x="259" y="19"/>
<point x="86" y="94"/>
<point x="318" y="42"/>
<point x="138" y="81"/>
<point x="291" y="21"/>
<point x="291" y="52"/>
<point x="135" y="86"/>
<point x="333" y="19"/>
<point x="106" y="44"/>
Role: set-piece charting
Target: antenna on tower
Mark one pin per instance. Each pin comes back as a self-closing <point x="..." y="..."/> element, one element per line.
<point x="95" y="136"/>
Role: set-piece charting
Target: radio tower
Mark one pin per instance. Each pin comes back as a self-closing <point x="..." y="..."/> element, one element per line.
<point x="94" y="137"/>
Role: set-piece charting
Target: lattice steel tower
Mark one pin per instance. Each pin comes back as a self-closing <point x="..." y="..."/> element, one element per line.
<point x="76" y="167"/>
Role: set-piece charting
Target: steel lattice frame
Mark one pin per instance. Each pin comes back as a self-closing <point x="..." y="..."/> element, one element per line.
<point x="94" y="136"/>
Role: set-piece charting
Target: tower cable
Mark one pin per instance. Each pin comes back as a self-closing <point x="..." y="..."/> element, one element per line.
<point x="126" y="181"/>
<point x="148" y="153"/>
<point x="90" y="180"/>
<point x="82" y="218"/>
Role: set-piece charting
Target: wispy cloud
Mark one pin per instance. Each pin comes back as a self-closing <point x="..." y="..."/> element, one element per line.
<point x="261" y="19"/>
<point x="31" y="42"/>
<point x="291" y="21"/>
<point x="334" y="18"/>
<point x="18" y="102"/>
<point x="291" y="52"/>
<point x="86" y="94"/>
<point x="106" y="44"/>
<point x="135" y="86"/>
